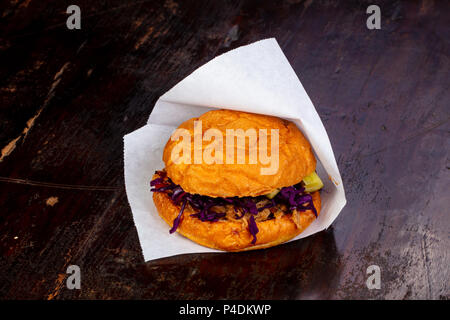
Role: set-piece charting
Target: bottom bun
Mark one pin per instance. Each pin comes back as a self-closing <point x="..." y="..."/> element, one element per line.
<point x="233" y="235"/>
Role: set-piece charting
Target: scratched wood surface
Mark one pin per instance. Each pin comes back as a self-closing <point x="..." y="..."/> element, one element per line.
<point x="68" y="97"/>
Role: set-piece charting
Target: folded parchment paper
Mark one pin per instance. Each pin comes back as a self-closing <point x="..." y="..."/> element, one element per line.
<point x="255" y="78"/>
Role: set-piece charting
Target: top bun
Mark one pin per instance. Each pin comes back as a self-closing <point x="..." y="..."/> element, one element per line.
<point x="296" y="159"/>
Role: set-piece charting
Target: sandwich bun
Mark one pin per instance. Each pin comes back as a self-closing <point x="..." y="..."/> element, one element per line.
<point x="233" y="235"/>
<point x="296" y="159"/>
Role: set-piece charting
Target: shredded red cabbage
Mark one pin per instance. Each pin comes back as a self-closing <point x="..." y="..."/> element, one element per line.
<point x="253" y="228"/>
<point x="177" y="220"/>
<point x="293" y="197"/>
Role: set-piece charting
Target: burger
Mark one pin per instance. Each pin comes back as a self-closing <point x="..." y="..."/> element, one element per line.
<point x="237" y="181"/>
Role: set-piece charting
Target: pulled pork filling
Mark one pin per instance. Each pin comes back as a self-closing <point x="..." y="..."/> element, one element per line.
<point x="249" y="210"/>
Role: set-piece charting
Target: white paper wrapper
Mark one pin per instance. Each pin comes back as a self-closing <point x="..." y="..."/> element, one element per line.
<point x="255" y="78"/>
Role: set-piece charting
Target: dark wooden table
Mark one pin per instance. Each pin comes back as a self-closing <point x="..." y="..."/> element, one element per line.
<point x="67" y="97"/>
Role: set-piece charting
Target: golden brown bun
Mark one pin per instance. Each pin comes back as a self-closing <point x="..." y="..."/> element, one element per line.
<point x="234" y="235"/>
<point x="296" y="159"/>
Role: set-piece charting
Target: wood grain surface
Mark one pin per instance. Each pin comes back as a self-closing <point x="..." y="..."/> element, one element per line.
<point x="67" y="97"/>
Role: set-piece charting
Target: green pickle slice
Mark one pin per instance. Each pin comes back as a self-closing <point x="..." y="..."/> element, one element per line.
<point x="272" y="194"/>
<point x="312" y="182"/>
